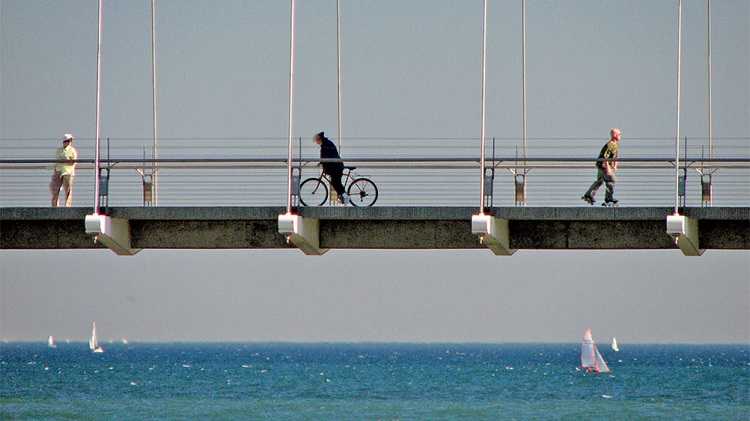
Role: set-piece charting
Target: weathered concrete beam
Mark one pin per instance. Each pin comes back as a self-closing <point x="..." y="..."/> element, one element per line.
<point x="206" y="234"/>
<point x="397" y="234"/>
<point x="565" y="228"/>
<point x="588" y="235"/>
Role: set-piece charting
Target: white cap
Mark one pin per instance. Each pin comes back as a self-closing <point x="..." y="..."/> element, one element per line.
<point x="67" y="137"/>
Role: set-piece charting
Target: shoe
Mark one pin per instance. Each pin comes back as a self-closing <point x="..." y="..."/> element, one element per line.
<point x="612" y="201"/>
<point x="345" y="199"/>
<point x="588" y="199"/>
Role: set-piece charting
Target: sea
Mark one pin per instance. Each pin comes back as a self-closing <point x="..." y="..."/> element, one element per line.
<point x="371" y="381"/>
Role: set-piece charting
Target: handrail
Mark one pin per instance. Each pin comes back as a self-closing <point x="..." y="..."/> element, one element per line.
<point x="350" y="159"/>
<point x="509" y="163"/>
<point x="447" y="181"/>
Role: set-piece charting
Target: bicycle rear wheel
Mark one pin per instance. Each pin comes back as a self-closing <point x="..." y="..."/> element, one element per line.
<point x="313" y="192"/>
<point x="363" y="192"/>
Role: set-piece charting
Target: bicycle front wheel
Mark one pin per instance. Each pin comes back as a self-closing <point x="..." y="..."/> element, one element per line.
<point x="363" y="192"/>
<point x="313" y="192"/>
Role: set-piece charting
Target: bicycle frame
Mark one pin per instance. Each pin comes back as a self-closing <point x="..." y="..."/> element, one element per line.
<point x="362" y="191"/>
<point x="347" y="172"/>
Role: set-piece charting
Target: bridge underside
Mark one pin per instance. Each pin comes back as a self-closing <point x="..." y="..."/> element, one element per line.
<point x="375" y="228"/>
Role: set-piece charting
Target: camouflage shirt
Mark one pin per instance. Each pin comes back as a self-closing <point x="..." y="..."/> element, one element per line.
<point x="609" y="151"/>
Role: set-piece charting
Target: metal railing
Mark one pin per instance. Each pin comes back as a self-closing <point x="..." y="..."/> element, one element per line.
<point x="408" y="172"/>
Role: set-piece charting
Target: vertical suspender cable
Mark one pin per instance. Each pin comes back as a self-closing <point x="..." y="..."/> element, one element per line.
<point x="523" y="76"/>
<point x="710" y="118"/>
<point x="97" y="156"/>
<point x="291" y="111"/>
<point x="677" y="135"/>
<point x="482" y="140"/>
<point x="710" y="115"/>
<point x="338" y="61"/>
<point x="154" y="151"/>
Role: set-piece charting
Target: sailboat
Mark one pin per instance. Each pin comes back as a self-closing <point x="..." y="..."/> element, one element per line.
<point x="51" y="342"/>
<point x="94" y="342"/>
<point x="591" y="359"/>
<point x="614" y="345"/>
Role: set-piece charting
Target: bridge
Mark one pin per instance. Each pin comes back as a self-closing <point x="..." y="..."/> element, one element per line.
<point x="426" y="202"/>
<point x="560" y="228"/>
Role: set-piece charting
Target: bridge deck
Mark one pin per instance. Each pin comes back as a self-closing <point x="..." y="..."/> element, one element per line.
<point x="376" y="227"/>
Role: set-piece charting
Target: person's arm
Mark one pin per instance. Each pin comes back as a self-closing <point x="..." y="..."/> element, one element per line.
<point x="611" y="167"/>
<point x="611" y="163"/>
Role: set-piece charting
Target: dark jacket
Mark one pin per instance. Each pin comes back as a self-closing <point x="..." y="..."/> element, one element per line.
<point x="328" y="151"/>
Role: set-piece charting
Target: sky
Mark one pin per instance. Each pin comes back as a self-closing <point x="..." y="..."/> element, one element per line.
<point x="410" y="69"/>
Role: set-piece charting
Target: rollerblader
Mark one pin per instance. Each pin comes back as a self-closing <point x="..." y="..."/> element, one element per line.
<point x="606" y="166"/>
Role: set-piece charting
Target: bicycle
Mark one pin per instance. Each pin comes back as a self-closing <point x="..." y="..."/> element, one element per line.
<point x="313" y="191"/>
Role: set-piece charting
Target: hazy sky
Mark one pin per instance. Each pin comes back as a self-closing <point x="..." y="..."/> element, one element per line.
<point x="410" y="69"/>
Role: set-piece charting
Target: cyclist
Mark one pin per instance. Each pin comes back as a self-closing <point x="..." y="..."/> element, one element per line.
<point x="335" y="170"/>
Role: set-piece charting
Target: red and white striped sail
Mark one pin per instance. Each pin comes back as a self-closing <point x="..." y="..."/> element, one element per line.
<point x="591" y="359"/>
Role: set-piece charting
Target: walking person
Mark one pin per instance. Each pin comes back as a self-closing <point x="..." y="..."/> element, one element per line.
<point x="606" y="166"/>
<point x="335" y="170"/>
<point x="64" y="172"/>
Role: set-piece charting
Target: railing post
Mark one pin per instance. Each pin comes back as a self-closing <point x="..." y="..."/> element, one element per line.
<point x="148" y="190"/>
<point x="706" y="190"/>
<point x="489" y="186"/>
<point x="296" y="176"/>
<point x="104" y="189"/>
<point x="682" y="189"/>
<point x="520" y="184"/>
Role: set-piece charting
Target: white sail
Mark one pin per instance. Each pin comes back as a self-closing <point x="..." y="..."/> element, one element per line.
<point x="51" y="342"/>
<point x="614" y="345"/>
<point x="601" y="366"/>
<point x="94" y="341"/>
<point x="591" y="360"/>
<point x="588" y="357"/>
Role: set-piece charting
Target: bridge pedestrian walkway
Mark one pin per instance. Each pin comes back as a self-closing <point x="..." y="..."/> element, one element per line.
<point x="425" y="202"/>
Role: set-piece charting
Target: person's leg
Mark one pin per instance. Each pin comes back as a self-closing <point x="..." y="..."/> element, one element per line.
<point x="54" y="187"/>
<point x="591" y="192"/>
<point x="67" y="186"/>
<point x="609" y="181"/>
<point x="336" y="174"/>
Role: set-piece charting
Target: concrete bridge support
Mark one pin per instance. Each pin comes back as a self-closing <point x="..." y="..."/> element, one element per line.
<point x="684" y="231"/>
<point x="493" y="232"/>
<point x="112" y="232"/>
<point x="303" y="233"/>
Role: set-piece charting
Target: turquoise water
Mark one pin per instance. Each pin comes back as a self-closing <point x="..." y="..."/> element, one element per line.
<point x="371" y="381"/>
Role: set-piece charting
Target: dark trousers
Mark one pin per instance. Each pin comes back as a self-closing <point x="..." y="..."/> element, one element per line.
<point x="335" y="174"/>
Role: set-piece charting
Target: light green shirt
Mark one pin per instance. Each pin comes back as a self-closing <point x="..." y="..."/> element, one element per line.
<point x="67" y="153"/>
